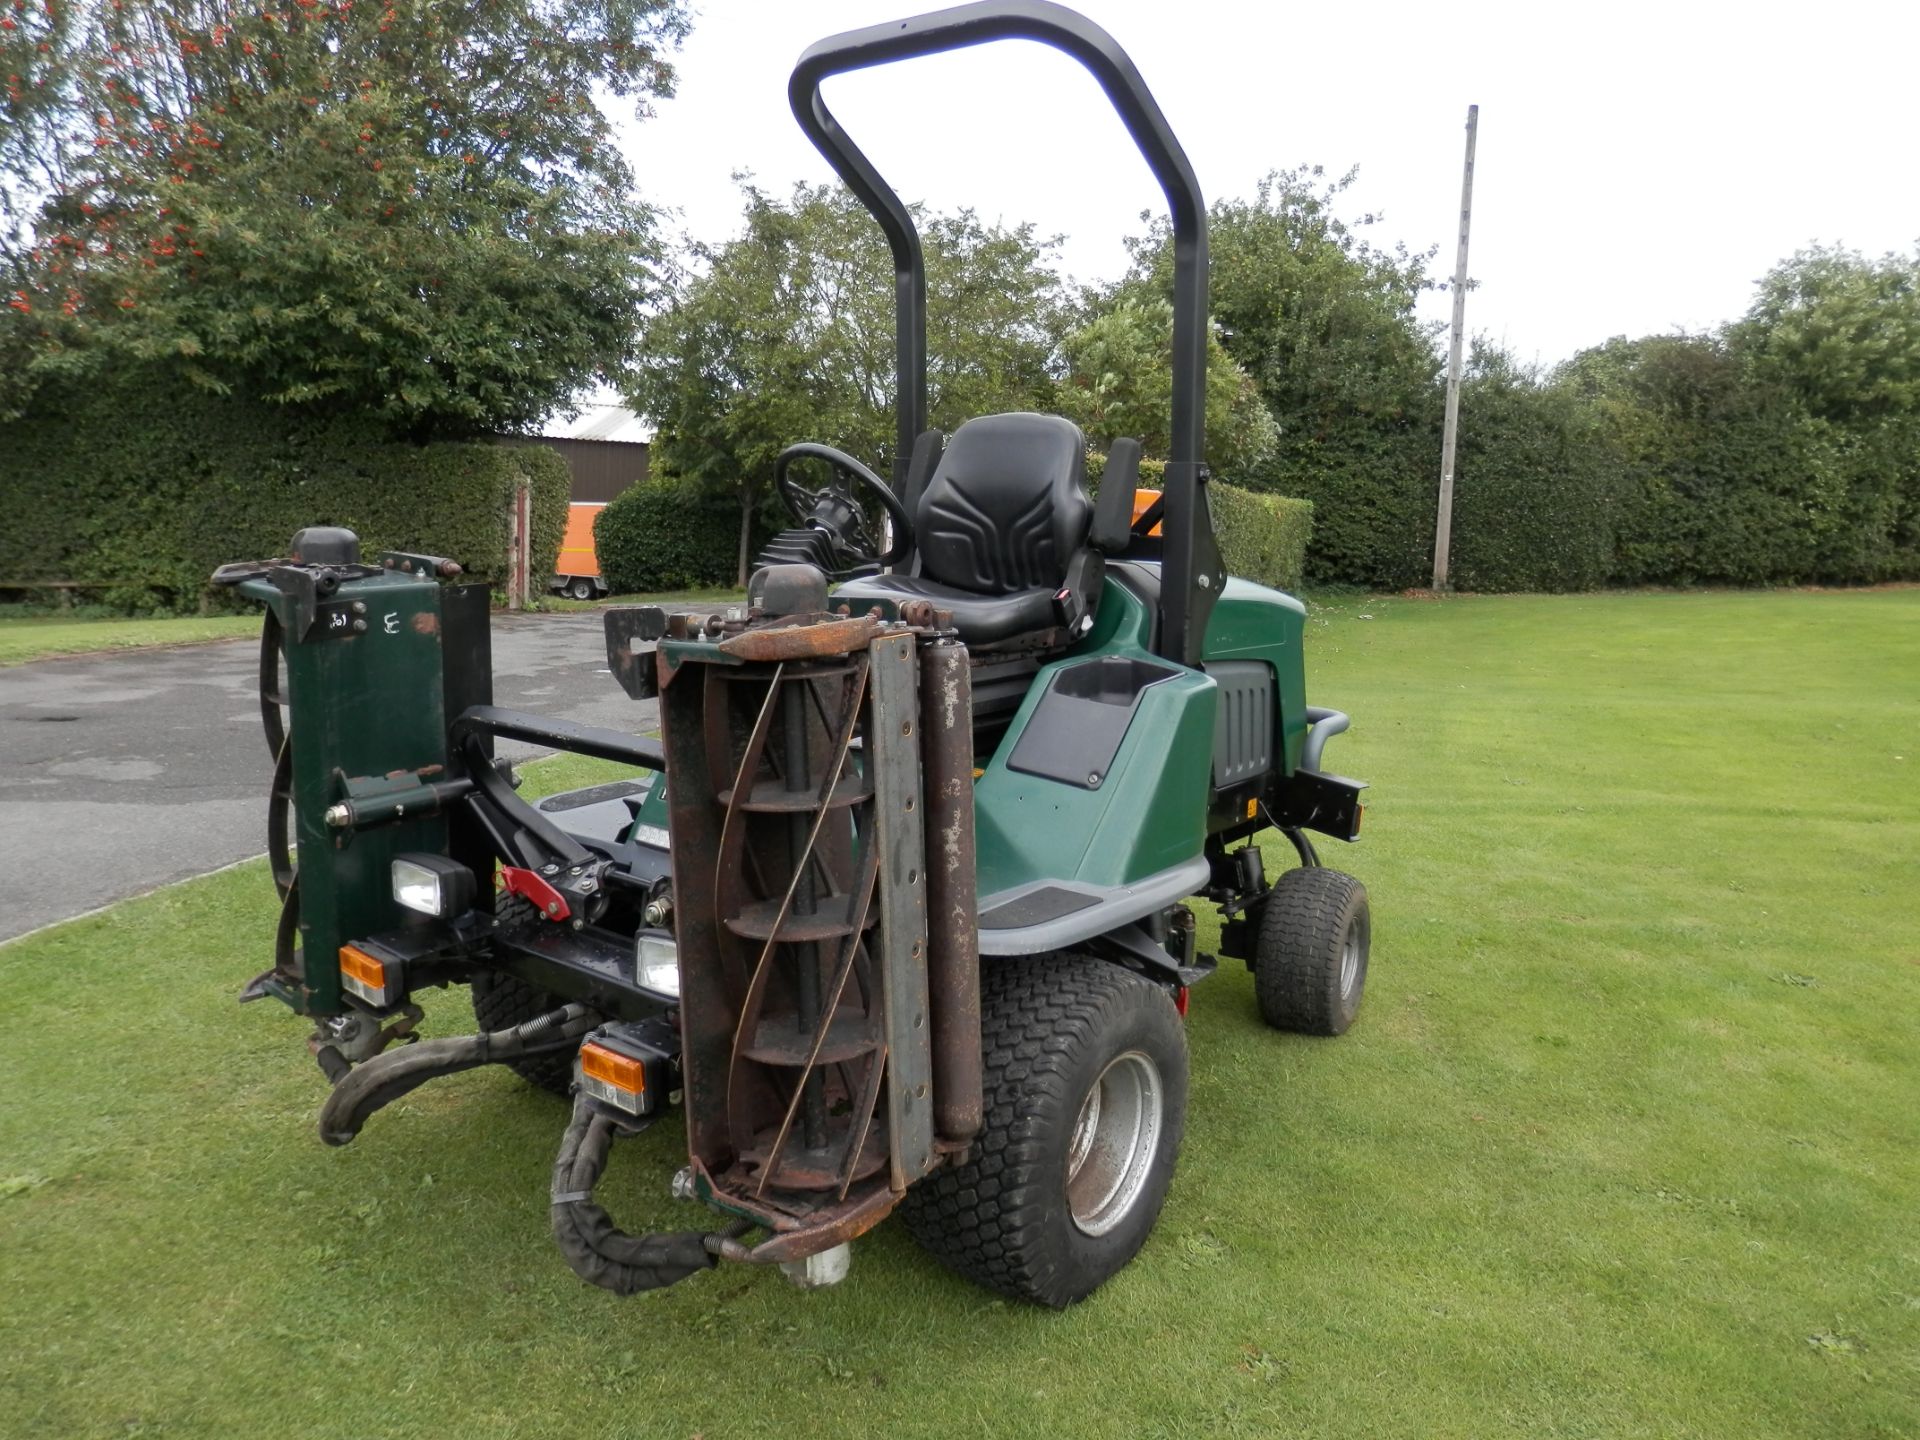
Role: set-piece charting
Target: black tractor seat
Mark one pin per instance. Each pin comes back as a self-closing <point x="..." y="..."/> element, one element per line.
<point x="1005" y="536"/>
<point x="983" y="621"/>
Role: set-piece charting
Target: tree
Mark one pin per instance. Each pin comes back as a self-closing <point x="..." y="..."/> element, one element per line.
<point x="335" y="205"/>
<point x="1119" y="382"/>
<point x="1319" y="317"/>
<point x="786" y="333"/>
<point x="1840" y="331"/>
<point x="1323" y="321"/>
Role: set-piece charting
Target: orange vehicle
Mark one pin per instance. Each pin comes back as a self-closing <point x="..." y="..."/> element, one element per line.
<point x="578" y="572"/>
<point x="1143" y="501"/>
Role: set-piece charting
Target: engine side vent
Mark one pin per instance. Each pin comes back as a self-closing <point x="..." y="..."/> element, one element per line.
<point x="1243" y="728"/>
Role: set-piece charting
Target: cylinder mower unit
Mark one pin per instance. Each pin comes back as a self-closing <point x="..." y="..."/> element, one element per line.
<point x="911" y="928"/>
<point x="809" y="971"/>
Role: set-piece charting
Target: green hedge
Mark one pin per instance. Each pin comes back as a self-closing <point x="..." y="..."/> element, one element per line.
<point x="1742" y="487"/>
<point x="669" y="535"/>
<point x="1262" y="538"/>
<point x="148" y="489"/>
<point x="1535" y="501"/>
<point x="1373" y="492"/>
<point x="1661" y="462"/>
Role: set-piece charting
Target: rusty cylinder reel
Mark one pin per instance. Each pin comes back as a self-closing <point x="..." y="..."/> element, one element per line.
<point x="830" y="1001"/>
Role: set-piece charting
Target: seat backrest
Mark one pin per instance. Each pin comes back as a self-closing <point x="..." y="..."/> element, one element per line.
<point x="1007" y="507"/>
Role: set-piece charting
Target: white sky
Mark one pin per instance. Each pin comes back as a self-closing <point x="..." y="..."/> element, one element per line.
<point x="1640" y="164"/>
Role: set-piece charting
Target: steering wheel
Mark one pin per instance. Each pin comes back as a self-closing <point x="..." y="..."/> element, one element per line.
<point x="835" y="506"/>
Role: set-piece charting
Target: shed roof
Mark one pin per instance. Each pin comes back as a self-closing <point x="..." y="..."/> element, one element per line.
<point x="599" y="420"/>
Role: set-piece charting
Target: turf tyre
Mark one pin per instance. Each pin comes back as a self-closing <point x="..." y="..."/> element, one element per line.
<point x="1051" y="1028"/>
<point x="501" y="1001"/>
<point x="1310" y="957"/>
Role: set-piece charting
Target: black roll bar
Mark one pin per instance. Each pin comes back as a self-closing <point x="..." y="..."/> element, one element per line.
<point x="1192" y="572"/>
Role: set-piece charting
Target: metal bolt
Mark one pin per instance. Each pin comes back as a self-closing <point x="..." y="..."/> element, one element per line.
<point x="360" y="627"/>
<point x="359" y="607"/>
<point x="340" y="816"/>
<point x="658" y="912"/>
<point x="579" y="924"/>
<point x="552" y="867"/>
<point x="1093" y="779"/>
<point x="553" y="907"/>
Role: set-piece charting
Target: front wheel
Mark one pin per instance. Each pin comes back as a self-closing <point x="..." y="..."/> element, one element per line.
<point x="502" y="1001"/>
<point x="1086" y="1100"/>
<point x="581" y="589"/>
<point x="1310" y="959"/>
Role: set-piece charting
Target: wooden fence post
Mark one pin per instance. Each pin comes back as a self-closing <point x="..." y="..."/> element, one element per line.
<point x="520" y="546"/>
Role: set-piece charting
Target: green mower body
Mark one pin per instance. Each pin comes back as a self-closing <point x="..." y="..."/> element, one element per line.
<point x="894" y="901"/>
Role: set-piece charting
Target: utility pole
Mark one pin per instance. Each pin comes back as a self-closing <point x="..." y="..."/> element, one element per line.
<point x="1443" y="531"/>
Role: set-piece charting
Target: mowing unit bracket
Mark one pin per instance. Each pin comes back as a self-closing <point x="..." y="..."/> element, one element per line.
<point x="1329" y="804"/>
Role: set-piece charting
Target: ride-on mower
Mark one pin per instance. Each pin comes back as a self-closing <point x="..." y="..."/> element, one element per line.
<point x="900" y="914"/>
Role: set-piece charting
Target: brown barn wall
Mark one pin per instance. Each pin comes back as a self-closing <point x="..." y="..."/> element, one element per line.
<point x="601" y="469"/>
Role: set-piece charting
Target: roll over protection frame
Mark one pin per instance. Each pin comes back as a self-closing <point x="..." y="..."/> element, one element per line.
<point x="1191" y="565"/>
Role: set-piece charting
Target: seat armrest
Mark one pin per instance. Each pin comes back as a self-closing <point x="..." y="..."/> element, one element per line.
<point x="1113" y="507"/>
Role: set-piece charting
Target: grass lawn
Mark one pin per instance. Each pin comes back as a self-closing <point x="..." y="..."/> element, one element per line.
<point x="36" y="639"/>
<point x="1626" y="1141"/>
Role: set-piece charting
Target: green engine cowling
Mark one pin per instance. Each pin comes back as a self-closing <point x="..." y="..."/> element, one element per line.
<point x="1149" y="805"/>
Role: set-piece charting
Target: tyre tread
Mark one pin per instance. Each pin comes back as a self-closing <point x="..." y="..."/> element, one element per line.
<point x="1303" y="927"/>
<point x="985" y="1219"/>
<point x="501" y="1001"/>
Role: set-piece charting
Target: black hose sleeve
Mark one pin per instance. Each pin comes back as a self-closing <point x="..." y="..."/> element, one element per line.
<point x="597" y="1251"/>
<point x="385" y="1078"/>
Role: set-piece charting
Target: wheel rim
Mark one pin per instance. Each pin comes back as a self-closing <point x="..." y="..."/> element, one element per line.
<point x="1350" y="950"/>
<point x="1114" y="1142"/>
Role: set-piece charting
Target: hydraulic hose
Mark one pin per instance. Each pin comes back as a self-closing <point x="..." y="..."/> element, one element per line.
<point x="597" y="1251"/>
<point x="385" y="1078"/>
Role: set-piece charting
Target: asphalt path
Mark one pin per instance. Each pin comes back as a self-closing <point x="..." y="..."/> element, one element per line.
<point x="121" y="772"/>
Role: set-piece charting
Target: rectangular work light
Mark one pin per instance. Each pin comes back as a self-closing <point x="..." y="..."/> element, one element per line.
<point x="432" y="884"/>
<point x="656" y="962"/>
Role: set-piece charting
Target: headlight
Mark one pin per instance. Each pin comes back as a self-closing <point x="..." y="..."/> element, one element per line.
<point x="656" y="962"/>
<point x="432" y="884"/>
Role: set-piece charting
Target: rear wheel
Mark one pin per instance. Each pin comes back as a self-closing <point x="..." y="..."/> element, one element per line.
<point x="1310" y="960"/>
<point x="581" y="589"/>
<point x="1086" y="1100"/>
